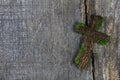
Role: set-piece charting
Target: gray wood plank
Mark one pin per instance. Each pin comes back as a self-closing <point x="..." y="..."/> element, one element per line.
<point x="107" y="58"/>
<point x="37" y="41"/>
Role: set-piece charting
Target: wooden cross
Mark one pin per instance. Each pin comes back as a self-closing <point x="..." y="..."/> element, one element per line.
<point x="91" y="35"/>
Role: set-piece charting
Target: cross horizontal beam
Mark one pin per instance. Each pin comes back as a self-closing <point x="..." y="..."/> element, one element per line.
<point x="95" y="35"/>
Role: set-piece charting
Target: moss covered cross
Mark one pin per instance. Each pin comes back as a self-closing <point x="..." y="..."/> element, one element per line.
<point x="91" y="35"/>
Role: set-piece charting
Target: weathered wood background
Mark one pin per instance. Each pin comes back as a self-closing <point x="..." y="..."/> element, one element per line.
<point x="37" y="40"/>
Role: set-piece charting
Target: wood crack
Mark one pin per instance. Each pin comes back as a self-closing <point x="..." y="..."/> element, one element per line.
<point x="93" y="66"/>
<point x="92" y="57"/>
<point x="86" y="16"/>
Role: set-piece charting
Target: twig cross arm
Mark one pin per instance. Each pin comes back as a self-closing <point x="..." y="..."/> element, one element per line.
<point x="91" y="35"/>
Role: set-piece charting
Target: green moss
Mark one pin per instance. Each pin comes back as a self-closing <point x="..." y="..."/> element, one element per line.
<point x="99" y="25"/>
<point x="76" y="60"/>
<point x="82" y="49"/>
<point x="79" y="55"/>
<point x="79" y="25"/>
<point x="102" y="42"/>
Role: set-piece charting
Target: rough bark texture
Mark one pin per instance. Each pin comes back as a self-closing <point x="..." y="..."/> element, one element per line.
<point x="37" y="40"/>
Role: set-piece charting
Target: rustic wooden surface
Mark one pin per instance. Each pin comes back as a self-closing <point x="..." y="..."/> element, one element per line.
<point x="37" y="41"/>
<point x="107" y="58"/>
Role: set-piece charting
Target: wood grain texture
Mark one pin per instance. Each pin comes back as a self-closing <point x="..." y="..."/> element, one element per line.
<point x="37" y="41"/>
<point x="107" y="58"/>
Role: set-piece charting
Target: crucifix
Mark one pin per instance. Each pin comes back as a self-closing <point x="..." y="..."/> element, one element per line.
<point x="91" y="35"/>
